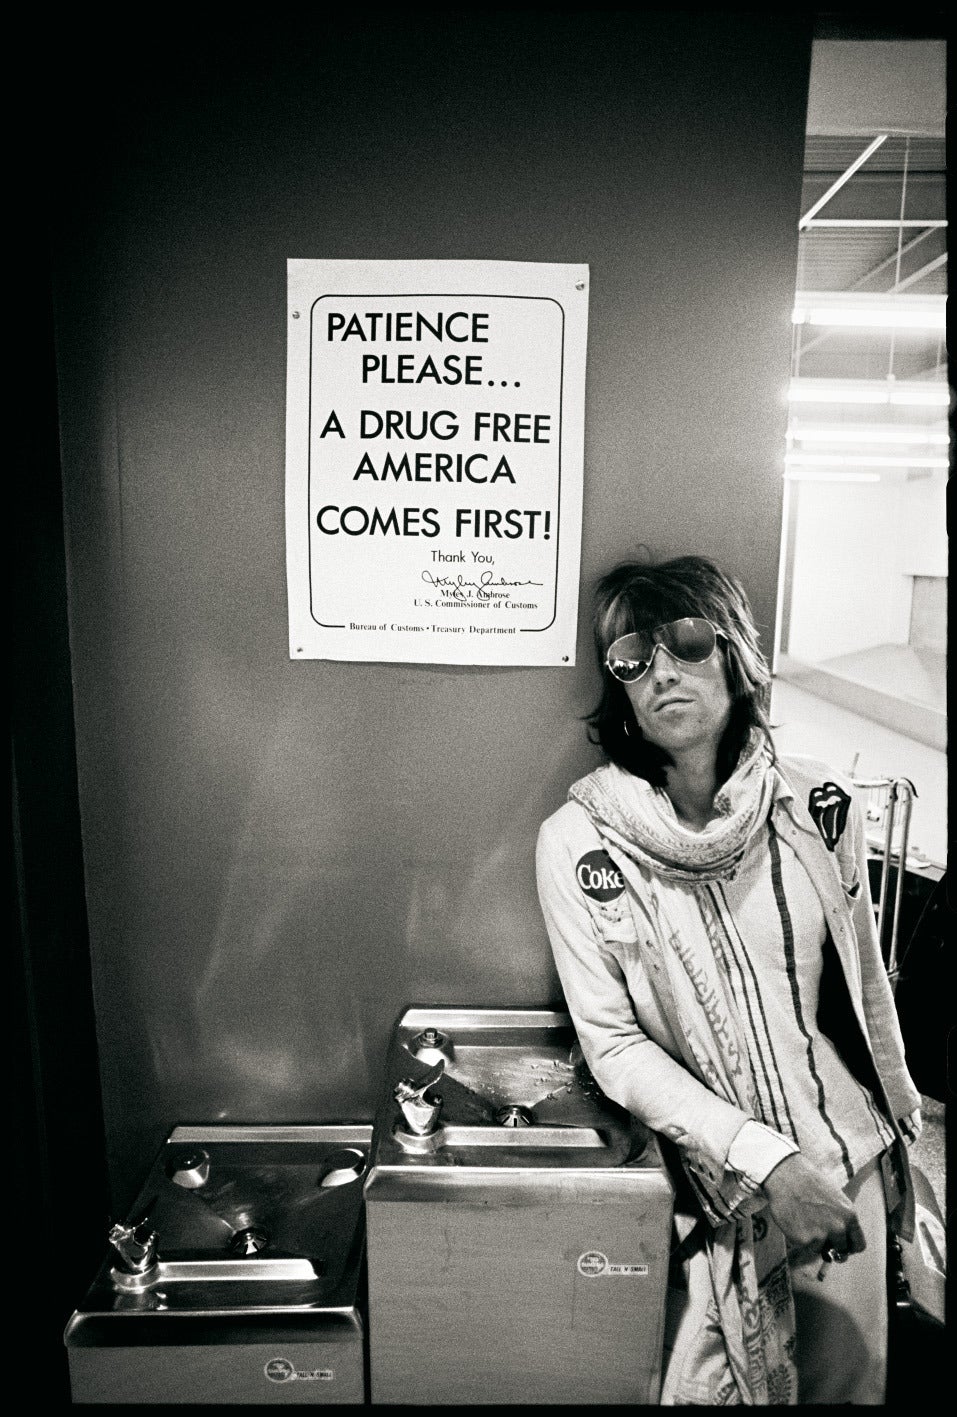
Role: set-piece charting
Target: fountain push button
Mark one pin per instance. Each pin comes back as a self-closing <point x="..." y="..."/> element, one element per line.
<point x="190" y="1170"/>
<point x="342" y="1167"/>
<point x="432" y="1046"/>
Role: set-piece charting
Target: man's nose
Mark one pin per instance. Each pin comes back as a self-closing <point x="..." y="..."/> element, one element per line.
<point x="663" y="668"/>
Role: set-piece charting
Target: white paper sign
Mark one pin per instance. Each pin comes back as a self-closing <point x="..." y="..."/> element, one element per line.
<point x="434" y="437"/>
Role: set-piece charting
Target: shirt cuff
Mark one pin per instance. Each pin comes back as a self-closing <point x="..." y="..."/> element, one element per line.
<point x="756" y="1150"/>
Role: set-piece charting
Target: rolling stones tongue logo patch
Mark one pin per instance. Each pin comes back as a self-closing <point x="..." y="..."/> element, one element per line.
<point x="828" y="806"/>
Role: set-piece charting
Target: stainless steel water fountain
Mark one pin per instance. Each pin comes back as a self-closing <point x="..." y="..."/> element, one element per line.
<point x="236" y="1276"/>
<point x="518" y="1223"/>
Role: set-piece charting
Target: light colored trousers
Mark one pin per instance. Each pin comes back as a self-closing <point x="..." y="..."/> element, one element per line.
<point x="840" y="1320"/>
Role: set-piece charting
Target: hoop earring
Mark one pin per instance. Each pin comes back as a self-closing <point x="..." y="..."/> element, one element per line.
<point x="627" y="733"/>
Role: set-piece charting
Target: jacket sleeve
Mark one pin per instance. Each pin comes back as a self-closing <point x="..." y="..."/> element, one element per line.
<point x="880" y="1011"/>
<point x="631" y="1068"/>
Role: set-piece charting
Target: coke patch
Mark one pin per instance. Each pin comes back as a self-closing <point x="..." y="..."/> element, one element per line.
<point x="598" y="876"/>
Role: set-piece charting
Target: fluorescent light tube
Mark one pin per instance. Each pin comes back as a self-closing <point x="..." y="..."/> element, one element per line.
<point x="810" y="476"/>
<point x="927" y="395"/>
<point x="864" y="310"/>
<point x="868" y="433"/>
<point x="860" y="460"/>
<point x="913" y="393"/>
<point x="848" y="317"/>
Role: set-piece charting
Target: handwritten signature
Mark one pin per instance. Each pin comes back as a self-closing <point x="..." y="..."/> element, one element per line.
<point x="459" y="582"/>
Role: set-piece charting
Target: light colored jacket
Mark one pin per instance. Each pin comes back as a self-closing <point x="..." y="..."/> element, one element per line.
<point x="615" y="1006"/>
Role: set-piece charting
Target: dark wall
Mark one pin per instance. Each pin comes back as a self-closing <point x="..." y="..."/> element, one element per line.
<point x="280" y="855"/>
<point x="56" y="1182"/>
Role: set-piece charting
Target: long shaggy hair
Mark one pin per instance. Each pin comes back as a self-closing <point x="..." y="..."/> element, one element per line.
<point x="639" y="596"/>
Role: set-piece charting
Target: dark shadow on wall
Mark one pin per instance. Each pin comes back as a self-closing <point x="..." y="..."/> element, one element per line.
<point x="57" y="1211"/>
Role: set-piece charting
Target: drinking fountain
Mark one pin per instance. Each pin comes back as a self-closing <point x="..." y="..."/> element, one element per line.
<point x="517" y="1220"/>
<point x="236" y="1277"/>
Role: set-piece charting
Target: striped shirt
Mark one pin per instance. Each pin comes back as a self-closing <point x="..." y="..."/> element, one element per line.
<point x="768" y="931"/>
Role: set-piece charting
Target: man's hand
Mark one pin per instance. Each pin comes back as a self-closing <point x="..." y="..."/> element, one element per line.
<point x="813" y="1212"/>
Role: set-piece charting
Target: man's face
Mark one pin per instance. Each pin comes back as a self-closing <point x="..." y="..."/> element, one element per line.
<point x="681" y="706"/>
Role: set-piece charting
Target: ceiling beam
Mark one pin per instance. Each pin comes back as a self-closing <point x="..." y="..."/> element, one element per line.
<point x="893" y="221"/>
<point x="891" y="259"/>
<point x="845" y="176"/>
<point x="933" y="265"/>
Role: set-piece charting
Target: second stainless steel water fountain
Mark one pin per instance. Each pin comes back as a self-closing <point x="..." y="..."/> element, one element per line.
<point x="236" y="1277"/>
<point x="518" y="1223"/>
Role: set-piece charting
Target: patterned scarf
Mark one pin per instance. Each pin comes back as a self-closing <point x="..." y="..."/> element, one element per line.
<point x="641" y="821"/>
<point x="748" y="1354"/>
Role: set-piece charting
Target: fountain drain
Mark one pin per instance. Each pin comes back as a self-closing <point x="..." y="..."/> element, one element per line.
<point x="514" y="1116"/>
<point x="248" y="1242"/>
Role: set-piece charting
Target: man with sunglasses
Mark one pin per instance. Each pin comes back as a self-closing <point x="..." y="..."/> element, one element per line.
<point x="724" y="976"/>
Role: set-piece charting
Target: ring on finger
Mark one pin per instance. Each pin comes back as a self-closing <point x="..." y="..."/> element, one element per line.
<point x="838" y="1256"/>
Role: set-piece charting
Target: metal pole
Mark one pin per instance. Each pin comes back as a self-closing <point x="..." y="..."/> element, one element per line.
<point x="902" y="789"/>
<point x="899" y="790"/>
<point x="891" y="813"/>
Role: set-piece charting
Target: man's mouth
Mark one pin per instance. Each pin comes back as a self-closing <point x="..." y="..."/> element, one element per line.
<point x="669" y="703"/>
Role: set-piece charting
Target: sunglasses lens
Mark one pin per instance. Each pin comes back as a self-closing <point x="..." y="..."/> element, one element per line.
<point x="690" y="640"/>
<point x="629" y="657"/>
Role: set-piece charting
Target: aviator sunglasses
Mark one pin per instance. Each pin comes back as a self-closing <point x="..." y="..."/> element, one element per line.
<point x="691" y="641"/>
